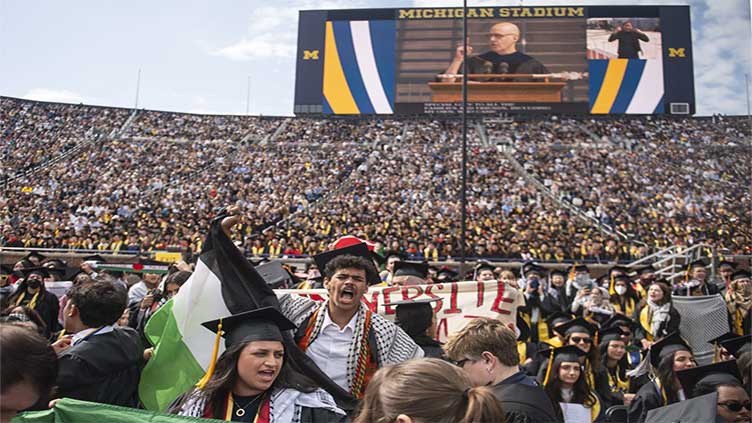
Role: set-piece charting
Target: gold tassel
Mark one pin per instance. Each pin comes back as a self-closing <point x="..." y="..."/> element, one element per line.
<point x="204" y="380"/>
<point x="611" y="290"/>
<point x="548" y="368"/>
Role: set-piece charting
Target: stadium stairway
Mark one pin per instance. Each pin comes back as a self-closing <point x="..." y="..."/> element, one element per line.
<point x="273" y="136"/>
<point x="507" y="149"/>
<point x="670" y="263"/>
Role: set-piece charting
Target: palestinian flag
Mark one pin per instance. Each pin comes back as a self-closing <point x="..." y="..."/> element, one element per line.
<point x="223" y="283"/>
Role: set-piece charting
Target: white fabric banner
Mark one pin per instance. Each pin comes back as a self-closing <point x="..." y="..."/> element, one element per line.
<point x="458" y="302"/>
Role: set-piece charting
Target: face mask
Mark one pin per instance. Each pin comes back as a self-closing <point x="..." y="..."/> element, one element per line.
<point x="620" y="290"/>
<point x="33" y="283"/>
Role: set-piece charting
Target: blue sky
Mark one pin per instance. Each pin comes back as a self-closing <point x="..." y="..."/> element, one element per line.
<point x="197" y="56"/>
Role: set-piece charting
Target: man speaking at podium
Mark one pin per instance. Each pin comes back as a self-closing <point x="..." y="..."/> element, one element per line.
<point x="503" y="57"/>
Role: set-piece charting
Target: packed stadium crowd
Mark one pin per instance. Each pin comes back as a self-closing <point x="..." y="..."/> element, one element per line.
<point x="572" y="348"/>
<point x="154" y="185"/>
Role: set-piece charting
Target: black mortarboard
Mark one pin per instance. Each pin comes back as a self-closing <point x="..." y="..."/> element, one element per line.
<point x="645" y="270"/>
<point x="577" y="325"/>
<point x="94" y="257"/>
<point x="730" y="264"/>
<point x="414" y="316"/>
<point x="735" y="345"/>
<point x="619" y="320"/>
<point x="717" y="340"/>
<point x="613" y="333"/>
<point x="579" y="268"/>
<point x="484" y="265"/>
<point x="6" y="270"/>
<point x="446" y="274"/>
<point x="358" y="250"/>
<point x="702" y="262"/>
<point x="38" y="270"/>
<point x="740" y="274"/>
<point x="275" y="275"/>
<point x="37" y="255"/>
<point x="720" y="373"/>
<point x="668" y="345"/>
<point x="554" y="318"/>
<point x="570" y="353"/>
<point x="557" y="272"/>
<point x="411" y="268"/>
<point x="618" y="268"/>
<point x="263" y="324"/>
<point x="698" y="409"/>
<point x="534" y="268"/>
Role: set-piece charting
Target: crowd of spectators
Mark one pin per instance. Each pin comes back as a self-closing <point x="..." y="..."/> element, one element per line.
<point x="33" y="132"/>
<point x="660" y="182"/>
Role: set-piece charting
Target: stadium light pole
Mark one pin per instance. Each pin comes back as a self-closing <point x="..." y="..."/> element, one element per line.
<point x="463" y="194"/>
<point x="248" y="97"/>
<point x="138" y="87"/>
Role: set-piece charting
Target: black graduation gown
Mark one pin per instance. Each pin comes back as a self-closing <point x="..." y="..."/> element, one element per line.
<point x="48" y="308"/>
<point x="525" y="403"/>
<point x="431" y="347"/>
<point x="647" y="398"/>
<point x="103" y="368"/>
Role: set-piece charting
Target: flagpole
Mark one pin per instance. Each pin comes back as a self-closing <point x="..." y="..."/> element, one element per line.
<point x="248" y="97"/>
<point x="138" y="87"/>
<point x="463" y="194"/>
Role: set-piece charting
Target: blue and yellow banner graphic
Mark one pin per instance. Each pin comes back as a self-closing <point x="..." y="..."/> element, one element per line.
<point x="626" y="86"/>
<point x="359" y="65"/>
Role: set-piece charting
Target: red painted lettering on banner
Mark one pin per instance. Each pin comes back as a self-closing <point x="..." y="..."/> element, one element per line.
<point x="374" y="303"/>
<point x="500" y="299"/>
<point x="442" y="326"/>
<point x="430" y="294"/>
<point x="453" y="309"/>
<point x="481" y="286"/>
<point x="387" y="298"/>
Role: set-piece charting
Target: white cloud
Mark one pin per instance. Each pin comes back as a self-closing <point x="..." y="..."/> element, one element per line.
<point x="272" y="31"/>
<point x="57" y="96"/>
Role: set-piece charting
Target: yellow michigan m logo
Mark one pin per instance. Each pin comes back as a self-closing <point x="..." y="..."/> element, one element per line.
<point x="677" y="52"/>
<point x="314" y="54"/>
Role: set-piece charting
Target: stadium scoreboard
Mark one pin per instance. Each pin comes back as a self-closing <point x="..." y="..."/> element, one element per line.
<point x="599" y="60"/>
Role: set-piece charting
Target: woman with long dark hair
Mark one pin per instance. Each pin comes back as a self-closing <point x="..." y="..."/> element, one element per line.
<point x="251" y="381"/>
<point x="666" y="357"/>
<point x="565" y="383"/>
<point x="613" y="352"/>
<point x="656" y="315"/>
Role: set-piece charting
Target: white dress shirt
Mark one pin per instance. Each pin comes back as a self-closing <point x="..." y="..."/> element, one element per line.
<point x="329" y="350"/>
<point x="84" y="334"/>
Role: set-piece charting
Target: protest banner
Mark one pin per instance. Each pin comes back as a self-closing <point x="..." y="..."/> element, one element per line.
<point x="458" y="302"/>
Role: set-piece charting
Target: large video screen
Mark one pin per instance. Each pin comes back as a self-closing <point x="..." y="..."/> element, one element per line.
<point x="581" y="60"/>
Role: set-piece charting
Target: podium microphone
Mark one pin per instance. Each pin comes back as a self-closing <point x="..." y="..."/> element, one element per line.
<point x="503" y="67"/>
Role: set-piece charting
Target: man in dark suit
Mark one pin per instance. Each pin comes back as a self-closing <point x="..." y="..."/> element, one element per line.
<point x="103" y="362"/>
<point x="629" y="39"/>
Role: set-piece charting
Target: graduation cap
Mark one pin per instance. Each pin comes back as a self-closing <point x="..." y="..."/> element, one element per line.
<point x="357" y="250"/>
<point x="618" y="268"/>
<point x="577" y="325"/>
<point x="730" y="264"/>
<point x="579" y="268"/>
<point x="94" y="257"/>
<point x="735" y="346"/>
<point x="717" y="340"/>
<point x="721" y="373"/>
<point x="446" y="274"/>
<point x="739" y="275"/>
<point x="418" y="269"/>
<point x="666" y="346"/>
<point x="534" y="268"/>
<point x="275" y="275"/>
<point x="619" y="320"/>
<point x="555" y="318"/>
<point x="702" y="262"/>
<point x="414" y="316"/>
<point x="39" y="270"/>
<point x="5" y="269"/>
<point x="262" y="324"/>
<point x="484" y="265"/>
<point x="644" y="270"/>
<point x="697" y="409"/>
<point x="567" y="353"/>
<point x="36" y="255"/>
<point x="349" y="240"/>
<point x="608" y="334"/>
<point x="555" y="272"/>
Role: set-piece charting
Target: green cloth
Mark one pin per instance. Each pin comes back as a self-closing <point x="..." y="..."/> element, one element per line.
<point x="74" y="411"/>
